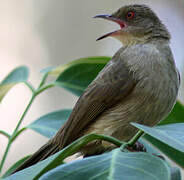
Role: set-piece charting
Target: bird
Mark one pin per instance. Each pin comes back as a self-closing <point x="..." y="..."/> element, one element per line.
<point x="139" y="84"/>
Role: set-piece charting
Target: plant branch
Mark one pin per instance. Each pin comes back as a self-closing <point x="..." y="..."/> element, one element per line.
<point x="135" y="138"/>
<point x="5" y="133"/>
<point x="29" y="86"/>
<point x="24" y="114"/>
<point x="81" y="142"/>
<point x="75" y="147"/>
<point x="5" y="155"/>
<point x="18" y="133"/>
<point x="44" y="88"/>
<point x="14" y="135"/>
<point x="132" y="141"/>
<point x="43" y="80"/>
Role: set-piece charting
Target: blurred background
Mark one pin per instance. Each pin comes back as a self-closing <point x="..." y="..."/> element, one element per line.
<point x="42" y="33"/>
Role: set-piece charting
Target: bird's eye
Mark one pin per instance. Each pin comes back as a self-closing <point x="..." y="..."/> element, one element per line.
<point x="130" y="15"/>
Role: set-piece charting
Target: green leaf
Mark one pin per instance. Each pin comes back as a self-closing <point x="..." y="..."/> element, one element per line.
<point x="149" y="148"/>
<point x="18" y="75"/>
<point x="115" y="165"/>
<point x="172" y="153"/>
<point x="58" y="70"/>
<point x="175" y="171"/>
<point x="35" y="171"/>
<point x="14" y="166"/>
<point x="48" y="70"/>
<point x="49" y="124"/>
<point x="176" y="116"/>
<point x="77" y="75"/>
<point x="31" y="172"/>
<point x="169" y="139"/>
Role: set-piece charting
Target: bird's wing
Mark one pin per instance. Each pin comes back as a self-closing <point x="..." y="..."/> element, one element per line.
<point x="112" y="84"/>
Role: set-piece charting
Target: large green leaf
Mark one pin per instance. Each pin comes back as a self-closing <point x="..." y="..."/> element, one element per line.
<point x="78" y="74"/>
<point x="167" y="138"/>
<point x="49" y="124"/>
<point x="149" y="148"/>
<point x="176" y="116"/>
<point x="87" y="60"/>
<point x="35" y="171"/>
<point x="15" y="166"/>
<point x="18" y="75"/>
<point x="115" y="165"/>
<point x="31" y="172"/>
<point x="175" y="171"/>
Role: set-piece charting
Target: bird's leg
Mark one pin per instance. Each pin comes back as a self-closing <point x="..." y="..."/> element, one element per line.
<point x="137" y="147"/>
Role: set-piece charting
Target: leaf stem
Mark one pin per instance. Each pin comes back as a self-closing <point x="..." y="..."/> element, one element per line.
<point x="14" y="134"/>
<point x="132" y="141"/>
<point x="5" y="133"/>
<point x="75" y="147"/>
<point x="5" y="154"/>
<point x="16" y="131"/>
<point x="81" y="142"/>
<point x="44" y="88"/>
<point x="135" y="138"/>
<point x="29" y="86"/>
<point x="43" y="80"/>
<point x="24" y="114"/>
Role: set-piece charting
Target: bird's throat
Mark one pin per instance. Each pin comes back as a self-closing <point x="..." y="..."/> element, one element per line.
<point x="128" y="39"/>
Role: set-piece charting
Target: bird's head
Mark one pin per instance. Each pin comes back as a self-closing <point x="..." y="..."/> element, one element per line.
<point x="138" y="24"/>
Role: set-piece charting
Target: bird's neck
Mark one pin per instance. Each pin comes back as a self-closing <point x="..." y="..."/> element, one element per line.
<point x="129" y="40"/>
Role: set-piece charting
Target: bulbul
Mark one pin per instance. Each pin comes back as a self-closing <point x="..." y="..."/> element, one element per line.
<point x="139" y="84"/>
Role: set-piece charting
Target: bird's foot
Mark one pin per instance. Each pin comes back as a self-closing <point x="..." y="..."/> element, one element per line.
<point x="137" y="147"/>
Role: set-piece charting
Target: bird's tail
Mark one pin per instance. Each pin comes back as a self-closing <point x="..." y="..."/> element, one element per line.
<point x="45" y="151"/>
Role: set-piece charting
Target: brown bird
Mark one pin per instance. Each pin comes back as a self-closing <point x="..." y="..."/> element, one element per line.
<point x="140" y="84"/>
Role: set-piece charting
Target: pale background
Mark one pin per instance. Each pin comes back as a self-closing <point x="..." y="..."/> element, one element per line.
<point x="41" y="33"/>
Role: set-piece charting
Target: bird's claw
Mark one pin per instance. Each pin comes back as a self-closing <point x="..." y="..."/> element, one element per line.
<point x="137" y="147"/>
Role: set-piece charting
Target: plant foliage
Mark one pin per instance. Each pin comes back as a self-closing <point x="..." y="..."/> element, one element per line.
<point x="168" y="136"/>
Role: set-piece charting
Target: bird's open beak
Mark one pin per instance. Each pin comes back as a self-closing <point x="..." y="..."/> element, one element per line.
<point x="111" y="18"/>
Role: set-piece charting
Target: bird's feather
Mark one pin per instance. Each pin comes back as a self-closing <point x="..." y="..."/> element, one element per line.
<point x="112" y="84"/>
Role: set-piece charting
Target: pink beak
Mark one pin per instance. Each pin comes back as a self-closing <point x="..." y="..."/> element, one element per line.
<point x="111" y="18"/>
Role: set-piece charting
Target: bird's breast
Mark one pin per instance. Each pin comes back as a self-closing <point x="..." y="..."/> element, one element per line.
<point x="150" y="101"/>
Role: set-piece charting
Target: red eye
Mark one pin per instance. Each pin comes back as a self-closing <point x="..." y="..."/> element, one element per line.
<point x="130" y="15"/>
